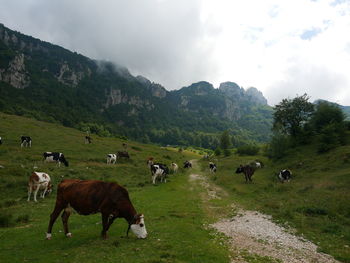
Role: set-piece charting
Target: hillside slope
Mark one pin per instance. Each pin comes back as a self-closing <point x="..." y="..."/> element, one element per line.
<point x="50" y="83"/>
<point x="315" y="201"/>
<point x="173" y="215"/>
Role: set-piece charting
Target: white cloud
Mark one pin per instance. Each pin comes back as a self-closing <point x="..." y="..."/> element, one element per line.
<point x="281" y="47"/>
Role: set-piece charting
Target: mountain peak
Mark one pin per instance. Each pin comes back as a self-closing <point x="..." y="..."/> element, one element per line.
<point x="256" y="96"/>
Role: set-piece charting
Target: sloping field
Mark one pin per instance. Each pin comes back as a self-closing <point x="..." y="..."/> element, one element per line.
<point x="173" y="214"/>
<point x="315" y="202"/>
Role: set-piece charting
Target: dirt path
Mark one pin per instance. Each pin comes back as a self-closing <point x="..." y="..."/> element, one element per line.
<point x="253" y="235"/>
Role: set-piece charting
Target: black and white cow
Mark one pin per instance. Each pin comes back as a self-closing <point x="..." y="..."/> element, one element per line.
<point x="159" y="170"/>
<point x="111" y="158"/>
<point x="26" y="141"/>
<point x="284" y="175"/>
<point x="0" y="140"/>
<point x="55" y="157"/>
<point x="212" y="167"/>
<point x="88" y="140"/>
<point x="187" y="164"/>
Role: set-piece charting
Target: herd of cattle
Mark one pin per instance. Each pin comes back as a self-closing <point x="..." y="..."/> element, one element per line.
<point x="110" y="199"/>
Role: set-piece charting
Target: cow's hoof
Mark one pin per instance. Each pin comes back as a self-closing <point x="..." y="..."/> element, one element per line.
<point x="48" y="236"/>
<point x="69" y="235"/>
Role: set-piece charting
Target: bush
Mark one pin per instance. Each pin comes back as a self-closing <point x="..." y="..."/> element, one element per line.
<point x="23" y="219"/>
<point x="5" y="220"/>
<point x="278" y="146"/>
<point x="248" y="150"/>
<point x="227" y="152"/>
<point x="217" y="151"/>
<point x="136" y="148"/>
<point x="329" y="138"/>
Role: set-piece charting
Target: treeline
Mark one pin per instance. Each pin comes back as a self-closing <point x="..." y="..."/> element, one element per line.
<point x="299" y="122"/>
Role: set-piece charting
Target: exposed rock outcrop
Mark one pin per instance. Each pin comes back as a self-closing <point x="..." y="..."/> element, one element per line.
<point x="15" y="74"/>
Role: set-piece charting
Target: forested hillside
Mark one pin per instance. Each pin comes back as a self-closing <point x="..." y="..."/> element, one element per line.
<point x="47" y="82"/>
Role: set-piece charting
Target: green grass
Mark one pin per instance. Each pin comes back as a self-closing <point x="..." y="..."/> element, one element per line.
<point x="174" y="215"/>
<point x="315" y="202"/>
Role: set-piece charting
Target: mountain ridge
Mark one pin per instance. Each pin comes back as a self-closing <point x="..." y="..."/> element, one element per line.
<point x="48" y="82"/>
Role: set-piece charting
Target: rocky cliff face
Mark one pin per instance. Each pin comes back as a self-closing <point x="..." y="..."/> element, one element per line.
<point x="48" y="76"/>
<point x="15" y="74"/>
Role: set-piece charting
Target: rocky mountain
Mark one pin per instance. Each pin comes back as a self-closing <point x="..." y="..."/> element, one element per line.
<point x="48" y="82"/>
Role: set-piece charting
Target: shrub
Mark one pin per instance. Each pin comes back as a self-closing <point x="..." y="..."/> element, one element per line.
<point x="5" y="220"/>
<point x="23" y="219"/>
<point x="278" y="146"/>
<point x="217" y="151"/>
<point x="136" y="148"/>
<point x="248" y="150"/>
<point x="227" y="152"/>
<point x="329" y="138"/>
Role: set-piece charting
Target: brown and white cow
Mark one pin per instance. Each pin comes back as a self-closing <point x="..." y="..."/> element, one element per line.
<point x="37" y="181"/>
<point x="91" y="197"/>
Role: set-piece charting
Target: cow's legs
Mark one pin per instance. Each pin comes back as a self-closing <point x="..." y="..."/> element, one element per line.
<point x="56" y="212"/>
<point x="65" y="217"/>
<point x="106" y="222"/>
<point x="29" y="192"/>
<point x="36" y="192"/>
<point x="44" y="192"/>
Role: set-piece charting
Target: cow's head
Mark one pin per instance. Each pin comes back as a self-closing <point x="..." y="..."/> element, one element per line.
<point x="239" y="169"/>
<point x="138" y="226"/>
<point x="64" y="161"/>
<point x="49" y="188"/>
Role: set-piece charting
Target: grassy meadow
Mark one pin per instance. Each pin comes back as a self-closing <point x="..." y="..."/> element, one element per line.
<point x="174" y="216"/>
<point x="316" y="201"/>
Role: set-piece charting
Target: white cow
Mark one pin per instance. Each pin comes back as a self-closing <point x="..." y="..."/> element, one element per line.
<point x="38" y="181"/>
<point x="175" y="167"/>
<point x="111" y="158"/>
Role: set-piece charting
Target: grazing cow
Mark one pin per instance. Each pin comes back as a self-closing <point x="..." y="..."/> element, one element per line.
<point x="212" y="167"/>
<point x="124" y="154"/>
<point x="187" y="164"/>
<point x="88" y="140"/>
<point x="0" y="140"/>
<point x="284" y="175"/>
<point x="150" y="161"/>
<point x="256" y="164"/>
<point x="247" y="170"/>
<point x="159" y="170"/>
<point x="111" y="158"/>
<point x="39" y="181"/>
<point x="91" y="197"/>
<point x="175" y="167"/>
<point x="26" y="141"/>
<point x="55" y="157"/>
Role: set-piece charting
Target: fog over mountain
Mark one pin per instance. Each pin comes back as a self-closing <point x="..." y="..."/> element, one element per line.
<point x="283" y="48"/>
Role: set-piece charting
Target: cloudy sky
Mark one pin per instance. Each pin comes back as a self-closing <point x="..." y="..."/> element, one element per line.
<point x="282" y="47"/>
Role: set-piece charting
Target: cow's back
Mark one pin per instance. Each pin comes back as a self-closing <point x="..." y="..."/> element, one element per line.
<point x="87" y="196"/>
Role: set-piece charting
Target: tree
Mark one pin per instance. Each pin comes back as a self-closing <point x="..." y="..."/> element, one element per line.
<point x="291" y="115"/>
<point x="325" y="114"/>
<point x="225" y="141"/>
<point x="328" y="123"/>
